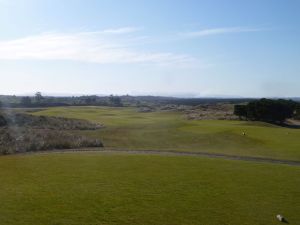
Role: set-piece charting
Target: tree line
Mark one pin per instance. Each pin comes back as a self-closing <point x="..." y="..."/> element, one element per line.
<point x="38" y="100"/>
<point x="268" y="110"/>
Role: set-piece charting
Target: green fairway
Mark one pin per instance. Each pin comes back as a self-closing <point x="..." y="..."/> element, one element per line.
<point x="128" y="129"/>
<point x="98" y="188"/>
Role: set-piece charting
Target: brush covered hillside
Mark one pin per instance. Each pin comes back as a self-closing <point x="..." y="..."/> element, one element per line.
<point x="21" y="132"/>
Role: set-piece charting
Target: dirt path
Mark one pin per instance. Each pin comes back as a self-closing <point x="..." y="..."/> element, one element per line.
<point x="181" y="153"/>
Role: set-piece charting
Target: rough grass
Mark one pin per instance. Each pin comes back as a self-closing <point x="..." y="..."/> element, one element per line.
<point x="44" y="122"/>
<point x="23" y="133"/>
<point x="18" y="140"/>
<point x="113" y="189"/>
<point x="127" y="128"/>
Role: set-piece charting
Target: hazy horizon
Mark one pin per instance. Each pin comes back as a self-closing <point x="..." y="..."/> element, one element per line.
<point x="170" y="95"/>
<point x="161" y="48"/>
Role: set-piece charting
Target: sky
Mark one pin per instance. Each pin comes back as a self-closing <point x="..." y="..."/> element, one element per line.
<point x="184" y="48"/>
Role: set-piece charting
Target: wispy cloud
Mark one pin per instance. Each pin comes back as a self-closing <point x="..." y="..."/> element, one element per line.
<point x="113" y="31"/>
<point x="96" y="47"/>
<point x="122" y="30"/>
<point x="120" y="45"/>
<point x="218" y="31"/>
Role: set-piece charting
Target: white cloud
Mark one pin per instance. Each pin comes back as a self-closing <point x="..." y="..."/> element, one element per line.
<point x="104" y="47"/>
<point x="96" y="47"/>
<point x="122" y="30"/>
<point x="113" y="31"/>
<point x="217" y="31"/>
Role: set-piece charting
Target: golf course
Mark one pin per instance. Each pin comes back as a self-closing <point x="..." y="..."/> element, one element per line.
<point x="126" y="128"/>
<point x="116" y="184"/>
<point x="107" y="188"/>
<point x="139" y="112"/>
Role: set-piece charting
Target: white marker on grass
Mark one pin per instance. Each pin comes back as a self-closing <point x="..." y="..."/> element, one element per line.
<point x="280" y="218"/>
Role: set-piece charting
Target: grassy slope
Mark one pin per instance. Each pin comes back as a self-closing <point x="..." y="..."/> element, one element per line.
<point x="108" y="189"/>
<point x="129" y="129"/>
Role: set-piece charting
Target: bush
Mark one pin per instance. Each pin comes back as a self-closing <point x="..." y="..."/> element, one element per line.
<point x="3" y="121"/>
<point x="56" y="123"/>
<point x="23" y="133"/>
<point x="297" y="114"/>
<point x="15" y="140"/>
<point x="240" y="111"/>
<point x="273" y="111"/>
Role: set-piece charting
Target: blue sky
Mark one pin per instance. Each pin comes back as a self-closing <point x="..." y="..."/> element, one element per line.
<point x="167" y="47"/>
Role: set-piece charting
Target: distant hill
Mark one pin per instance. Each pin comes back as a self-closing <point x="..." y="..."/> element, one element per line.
<point x="297" y="99"/>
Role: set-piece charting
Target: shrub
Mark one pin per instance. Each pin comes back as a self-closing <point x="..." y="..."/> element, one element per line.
<point x="26" y="140"/>
<point x="23" y="133"/>
<point x="297" y="113"/>
<point x="56" y="123"/>
<point x="268" y="110"/>
<point x="240" y="110"/>
<point x="3" y="121"/>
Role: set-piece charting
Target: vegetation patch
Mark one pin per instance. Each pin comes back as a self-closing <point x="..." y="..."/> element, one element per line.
<point x="56" y="123"/>
<point x="267" y="110"/>
<point x="23" y="133"/>
<point x="16" y="140"/>
<point x="219" y="111"/>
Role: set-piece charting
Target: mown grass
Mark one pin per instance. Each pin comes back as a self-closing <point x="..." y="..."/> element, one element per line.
<point x="127" y="128"/>
<point x="108" y="189"/>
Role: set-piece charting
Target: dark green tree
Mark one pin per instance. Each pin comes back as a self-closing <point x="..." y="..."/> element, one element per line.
<point x="115" y="101"/>
<point x="38" y="97"/>
<point x="268" y="110"/>
<point x="26" y="101"/>
<point x="90" y="100"/>
<point x="297" y="113"/>
<point x="3" y="121"/>
<point x="240" y="111"/>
